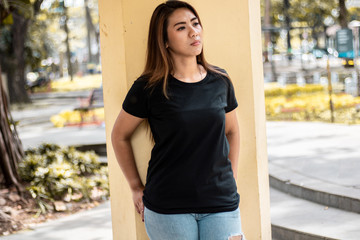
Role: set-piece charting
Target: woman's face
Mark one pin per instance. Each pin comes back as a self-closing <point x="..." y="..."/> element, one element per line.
<point x="184" y="34"/>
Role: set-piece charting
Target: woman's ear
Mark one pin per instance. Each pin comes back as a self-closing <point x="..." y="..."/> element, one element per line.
<point x="166" y="45"/>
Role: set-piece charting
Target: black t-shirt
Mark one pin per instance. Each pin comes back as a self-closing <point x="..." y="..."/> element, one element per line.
<point x="189" y="170"/>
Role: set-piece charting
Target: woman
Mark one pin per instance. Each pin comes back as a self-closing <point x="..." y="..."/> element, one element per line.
<point x="190" y="190"/>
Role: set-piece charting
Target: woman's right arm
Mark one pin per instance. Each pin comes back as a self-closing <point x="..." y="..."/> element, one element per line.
<point x="123" y="129"/>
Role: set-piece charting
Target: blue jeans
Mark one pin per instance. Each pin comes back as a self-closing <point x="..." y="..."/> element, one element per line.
<point x="192" y="226"/>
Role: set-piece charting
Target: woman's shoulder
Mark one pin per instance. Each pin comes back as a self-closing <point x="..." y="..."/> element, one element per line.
<point x="142" y="85"/>
<point x="139" y="86"/>
<point x="219" y="73"/>
<point x="142" y="80"/>
<point x="218" y="69"/>
<point x="220" y="77"/>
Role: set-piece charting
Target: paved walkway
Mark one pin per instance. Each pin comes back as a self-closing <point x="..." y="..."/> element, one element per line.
<point x="94" y="224"/>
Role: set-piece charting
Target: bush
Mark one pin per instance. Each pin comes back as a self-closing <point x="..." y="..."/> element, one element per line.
<point x="292" y="90"/>
<point x="63" y="173"/>
<point x="313" y="107"/>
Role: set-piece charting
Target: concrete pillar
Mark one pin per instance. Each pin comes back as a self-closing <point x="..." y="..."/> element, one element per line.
<point x="232" y="34"/>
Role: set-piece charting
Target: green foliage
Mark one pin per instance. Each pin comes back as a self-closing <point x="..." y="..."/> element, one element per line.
<point x="40" y="44"/>
<point x="310" y="15"/>
<point x="5" y="40"/>
<point x="39" y="194"/>
<point x="62" y="173"/>
<point x="308" y="11"/>
<point x="8" y="20"/>
<point x="22" y="7"/>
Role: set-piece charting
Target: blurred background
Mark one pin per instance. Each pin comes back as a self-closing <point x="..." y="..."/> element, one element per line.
<point x="52" y="142"/>
<point x="311" y="47"/>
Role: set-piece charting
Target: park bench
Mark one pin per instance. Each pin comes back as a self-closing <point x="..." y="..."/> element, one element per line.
<point x="95" y="100"/>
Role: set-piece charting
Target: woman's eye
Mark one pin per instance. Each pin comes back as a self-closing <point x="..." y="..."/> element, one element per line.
<point x="181" y="28"/>
<point x="196" y="24"/>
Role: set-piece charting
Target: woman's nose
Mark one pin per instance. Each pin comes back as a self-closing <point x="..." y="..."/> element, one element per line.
<point x="194" y="32"/>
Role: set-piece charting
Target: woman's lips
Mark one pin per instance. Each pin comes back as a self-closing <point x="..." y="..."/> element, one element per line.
<point x="195" y="43"/>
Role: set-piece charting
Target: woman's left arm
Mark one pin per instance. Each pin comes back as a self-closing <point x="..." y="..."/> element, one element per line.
<point x="233" y="136"/>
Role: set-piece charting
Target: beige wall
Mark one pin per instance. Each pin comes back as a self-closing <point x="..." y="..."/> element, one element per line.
<point x="232" y="41"/>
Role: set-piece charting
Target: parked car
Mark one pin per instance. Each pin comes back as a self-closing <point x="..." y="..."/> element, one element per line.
<point x="319" y="53"/>
<point x="36" y="79"/>
<point x="348" y="62"/>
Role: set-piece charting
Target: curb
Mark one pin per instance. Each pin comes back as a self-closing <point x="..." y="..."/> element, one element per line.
<point x="282" y="233"/>
<point x="65" y="95"/>
<point x="34" y="121"/>
<point x="314" y="190"/>
<point x="100" y="149"/>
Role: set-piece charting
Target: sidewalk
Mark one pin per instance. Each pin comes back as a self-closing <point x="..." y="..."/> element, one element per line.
<point x="317" y="165"/>
<point x="94" y="224"/>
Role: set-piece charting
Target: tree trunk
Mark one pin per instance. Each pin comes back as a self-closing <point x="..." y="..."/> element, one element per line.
<point x="288" y="27"/>
<point x="89" y="30"/>
<point x="315" y="36"/>
<point x="267" y="23"/>
<point x="343" y="14"/>
<point x="11" y="151"/>
<point x="67" y="41"/>
<point x="15" y="61"/>
<point x="95" y="58"/>
<point x="16" y="71"/>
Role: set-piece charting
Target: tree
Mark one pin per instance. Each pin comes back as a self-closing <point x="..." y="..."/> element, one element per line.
<point x="288" y="27"/>
<point x="67" y="41"/>
<point x="21" y="13"/>
<point x="343" y="14"/>
<point x="267" y="23"/>
<point x="308" y="15"/>
<point x="313" y="14"/>
<point x="91" y="29"/>
<point x="10" y="146"/>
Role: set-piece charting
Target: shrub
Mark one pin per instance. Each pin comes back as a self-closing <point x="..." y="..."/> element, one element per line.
<point x="292" y="90"/>
<point x="313" y="107"/>
<point x="62" y="173"/>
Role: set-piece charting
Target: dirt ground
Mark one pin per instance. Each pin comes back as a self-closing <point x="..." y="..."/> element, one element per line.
<point x="22" y="212"/>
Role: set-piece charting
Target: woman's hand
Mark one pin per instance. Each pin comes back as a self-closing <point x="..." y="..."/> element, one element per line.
<point x="138" y="202"/>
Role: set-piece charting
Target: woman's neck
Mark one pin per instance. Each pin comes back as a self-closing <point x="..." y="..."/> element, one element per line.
<point x="187" y="70"/>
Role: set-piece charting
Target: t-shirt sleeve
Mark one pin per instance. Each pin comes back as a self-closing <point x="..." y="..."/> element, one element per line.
<point x="136" y="100"/>
<point x="231" y="99"/>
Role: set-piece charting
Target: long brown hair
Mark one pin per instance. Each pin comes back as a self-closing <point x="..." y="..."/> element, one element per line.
<point x="159" y="63"/>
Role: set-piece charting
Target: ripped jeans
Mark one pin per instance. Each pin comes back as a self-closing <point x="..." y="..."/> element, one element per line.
<point x="192" y="226"/>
